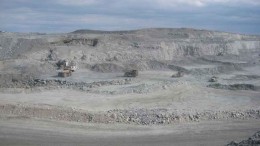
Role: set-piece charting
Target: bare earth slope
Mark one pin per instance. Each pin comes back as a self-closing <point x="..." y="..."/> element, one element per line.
<point x="97" y="92"/>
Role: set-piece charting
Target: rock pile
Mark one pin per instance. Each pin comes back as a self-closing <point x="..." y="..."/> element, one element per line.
<point x="77" y="41"/>
<point x="251" y="141"/>
<point x="135" y="116"/>
<point x="234" y="86"/>
<point x="163" y="116"/>
<point x="56" y="83"/>
<point x="52" y="56"/>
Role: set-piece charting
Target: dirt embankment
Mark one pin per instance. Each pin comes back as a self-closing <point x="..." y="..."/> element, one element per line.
<point x="135" y="116"/>
<point x="58" y="83"/>
<point x="235" y="86"/>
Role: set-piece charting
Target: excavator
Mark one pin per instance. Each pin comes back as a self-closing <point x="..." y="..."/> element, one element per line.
<point x="67" y="68"/>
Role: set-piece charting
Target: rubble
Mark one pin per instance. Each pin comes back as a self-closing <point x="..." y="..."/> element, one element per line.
<point x="234" y="86"/>
<point x="107" y="67"/>
<point x="130" y="116"/>
<point x="77" y="41"/>
<point x="52" y="56"/>
<point x="57" y="83"/>
<point x="251" y="141"/>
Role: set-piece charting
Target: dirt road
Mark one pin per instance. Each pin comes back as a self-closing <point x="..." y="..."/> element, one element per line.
<point x="15" y="131"/>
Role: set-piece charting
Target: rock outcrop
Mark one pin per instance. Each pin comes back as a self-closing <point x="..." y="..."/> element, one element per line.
<point x="251" y="141"/>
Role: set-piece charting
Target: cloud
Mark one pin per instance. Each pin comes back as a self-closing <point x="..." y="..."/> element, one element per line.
<point x="29" y="20"/>
<point x="203" y="3"/>
<point x="78" y="2"/>
<point x="161" y="3"/>
<point x="68" y="15"/>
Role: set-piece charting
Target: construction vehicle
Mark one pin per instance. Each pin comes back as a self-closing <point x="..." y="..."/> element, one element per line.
<point x="132" y="73"/>
<point x="178" y="74"/>
<point x="71" y="68"/>
<point x="68" y="68"/>
<point x="213" y="79"/>
<point x="65" y="73"/>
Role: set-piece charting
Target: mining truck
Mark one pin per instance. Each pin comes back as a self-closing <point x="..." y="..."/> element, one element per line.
<point x="65" y="73"/>
<point x="67" y="67"/>
<point x="132" y="73"/>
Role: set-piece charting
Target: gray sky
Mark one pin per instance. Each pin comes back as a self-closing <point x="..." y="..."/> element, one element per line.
<point x="242" y="16"/>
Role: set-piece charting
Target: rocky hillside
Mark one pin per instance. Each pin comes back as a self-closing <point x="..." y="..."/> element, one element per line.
<point x="251" y="141"/>
<point x="142" y="49"/>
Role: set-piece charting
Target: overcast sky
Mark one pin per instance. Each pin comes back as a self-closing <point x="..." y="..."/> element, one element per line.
<point x="242" y="16"/>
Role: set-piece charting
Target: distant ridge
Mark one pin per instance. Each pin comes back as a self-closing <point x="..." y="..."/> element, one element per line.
<point x="135" y="30"/>
<point x="84" y="31"/>
<point x="101" y="31"/>
<point x="131" y="31"/>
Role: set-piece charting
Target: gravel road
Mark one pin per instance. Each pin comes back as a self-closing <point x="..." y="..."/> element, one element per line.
<point x="27" y="132"/>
